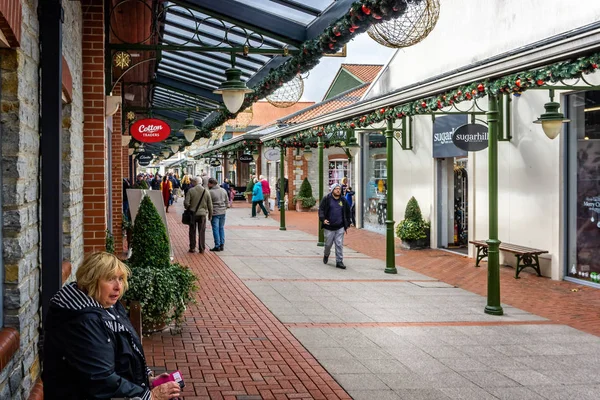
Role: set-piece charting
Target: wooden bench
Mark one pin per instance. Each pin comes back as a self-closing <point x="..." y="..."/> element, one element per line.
<point x="526" y="256"/>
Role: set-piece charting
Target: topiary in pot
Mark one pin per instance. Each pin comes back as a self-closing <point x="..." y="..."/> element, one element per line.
<point x="162" y="288"/>
<point x="413" y="230"/>
<point x="304" y="199"/>
<point x="150" y="243"/>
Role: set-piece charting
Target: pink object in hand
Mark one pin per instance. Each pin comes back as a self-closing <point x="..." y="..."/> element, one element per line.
<point x="172" y="377"/>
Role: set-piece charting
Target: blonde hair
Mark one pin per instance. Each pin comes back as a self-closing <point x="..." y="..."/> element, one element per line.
<point x="100" y="265"/>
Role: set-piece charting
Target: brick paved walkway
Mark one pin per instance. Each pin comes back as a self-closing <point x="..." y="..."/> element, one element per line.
<point x="564" y="302"/>
<point x="231" y="346"/>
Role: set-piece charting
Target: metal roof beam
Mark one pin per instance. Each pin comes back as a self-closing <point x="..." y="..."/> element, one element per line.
<point x="337" y="10"/>
<point x="249" y="17"/>
<point x="174" y="57"/>
<point x="172" y="115"/>
<point x="186" y="87"/>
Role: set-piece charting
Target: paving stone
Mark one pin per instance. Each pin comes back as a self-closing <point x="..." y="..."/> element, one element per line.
<point x="343" y="366"/>
<point x="360" y="381"/>
<point x="488" y="379"/>
<point x="374" y="394"/>
<point x="470" y="393"/>
<point x="421" y="394"/>
<point x="514" y="393"/>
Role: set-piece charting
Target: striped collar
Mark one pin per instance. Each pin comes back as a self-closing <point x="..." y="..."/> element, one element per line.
<point x="70" y="297"/>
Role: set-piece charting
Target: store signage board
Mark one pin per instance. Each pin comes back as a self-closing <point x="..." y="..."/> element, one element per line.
<point x="272" y="154"/>
<point x="471" y="137"/>
<point x="215" y="163"/>
<point x="150" y="130"/>
<point x="144" y="159"/>
<point x="443" y="131"/>
<point x="246" y="158"/>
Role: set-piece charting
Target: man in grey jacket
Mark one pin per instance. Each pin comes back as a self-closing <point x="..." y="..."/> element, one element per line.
<point x="220" y="200"/>
<point x="197" y="198"/>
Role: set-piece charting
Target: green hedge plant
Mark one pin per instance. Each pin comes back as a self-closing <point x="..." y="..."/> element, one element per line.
<point x="164" y="289"/>
<point x="413" y="226"/>
<point x="305" y="195"/>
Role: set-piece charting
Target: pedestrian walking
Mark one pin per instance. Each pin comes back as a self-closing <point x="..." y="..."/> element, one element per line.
<point x="220" y="200"/>
<point x="266" y="191"/>
<point x="155" y="182"/>
<point x="258" y="198"/>
<point x="167" y="189"/>
<point x="281" y="196"/>
<point x="350" y="199"/>
<point x="185" y="184"/>
<point x="198" y="199"/>
<point x="334" y="214"/>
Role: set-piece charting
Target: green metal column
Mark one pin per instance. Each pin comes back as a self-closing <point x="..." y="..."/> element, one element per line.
<point x="390" y="250"/>
<point x="281" y="190"/>
<point x="321" y="194"/>
<point x="493" y="299"/>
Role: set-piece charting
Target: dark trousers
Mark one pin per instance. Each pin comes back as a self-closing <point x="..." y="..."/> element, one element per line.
<point x="260" y="203"/>
<point x="199" y="224"/>
<point x="353" y="215"/>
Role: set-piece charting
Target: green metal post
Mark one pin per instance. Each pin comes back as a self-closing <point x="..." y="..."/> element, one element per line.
<point x="390" y="248"/>
<point x="321" y="194"/>
<point x="493" y="298"/>
<point x="281" y="191"/>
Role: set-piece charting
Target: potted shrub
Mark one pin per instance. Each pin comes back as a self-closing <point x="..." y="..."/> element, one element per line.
<point x="305" y="200"/>
<point x="163" y="288"/>
<point x="248" y="192"/>
<point x="413" y="230"/>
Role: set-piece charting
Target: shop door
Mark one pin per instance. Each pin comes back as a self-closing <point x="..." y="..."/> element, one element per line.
<point x="452" y="204"/>
<point x="374" y="183"/>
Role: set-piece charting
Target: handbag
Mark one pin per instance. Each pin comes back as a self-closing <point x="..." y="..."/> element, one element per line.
<point x="187" y="217"/>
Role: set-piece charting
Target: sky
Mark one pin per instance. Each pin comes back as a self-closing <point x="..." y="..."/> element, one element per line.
<point x="361" y="50"/>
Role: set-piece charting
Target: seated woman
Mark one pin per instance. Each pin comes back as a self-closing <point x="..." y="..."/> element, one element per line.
<point x="91" y="350"/>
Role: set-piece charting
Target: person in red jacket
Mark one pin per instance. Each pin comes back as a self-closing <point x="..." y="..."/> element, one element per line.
<point x="266" y="190"/>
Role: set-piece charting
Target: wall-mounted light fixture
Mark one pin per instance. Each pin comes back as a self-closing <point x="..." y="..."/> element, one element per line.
<point x="552" y="119"/>
<point x="307" y="153"/>
<point x="255" y="154"/>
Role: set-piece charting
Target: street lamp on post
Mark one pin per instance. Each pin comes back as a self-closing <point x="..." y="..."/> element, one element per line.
<point x="307" y="153"/>
<point x="281" y="190"/>
<point x="390" y="253"/>
<point x="320" y="145"/>
<point x="493" y="306"/>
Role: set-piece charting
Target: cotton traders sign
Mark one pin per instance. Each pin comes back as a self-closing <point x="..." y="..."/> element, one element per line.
<point x="471" y="137"/>
<point x="144" y="159"/>
<point x="150" y="130"/>
<point x="443" y="131"/>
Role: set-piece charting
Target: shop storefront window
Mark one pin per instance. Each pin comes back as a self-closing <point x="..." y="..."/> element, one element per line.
<point x="338" y="169"/>
<point x="374" y="182"/>
<point x="583" y="190"/>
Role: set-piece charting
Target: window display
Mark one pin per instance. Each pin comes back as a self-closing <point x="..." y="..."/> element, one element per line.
<point x="338" y="169"/>
<point x="374" y="180"/>
<point x="584" y="186"/>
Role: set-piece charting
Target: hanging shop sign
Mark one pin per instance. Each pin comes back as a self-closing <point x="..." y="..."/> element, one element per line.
<point x="443" y="131"/>
<point x="272" y="154"/>
<point x="246" y="158"/>
<point x="471" y="137"/>
<point x="215" y="163"/>
<point x="144" y="159"/>
<point x="150" y="130"/>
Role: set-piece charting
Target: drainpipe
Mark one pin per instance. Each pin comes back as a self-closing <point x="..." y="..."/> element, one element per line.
<point x="282" y="189"/>
<point x="321" y="194"/>
<point x="390" y="253"/>
<point x="51" y="19"/>
<point x="493" y="296"/>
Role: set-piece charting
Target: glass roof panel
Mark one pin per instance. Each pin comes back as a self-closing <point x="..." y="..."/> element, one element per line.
<point x="283" y="10"/>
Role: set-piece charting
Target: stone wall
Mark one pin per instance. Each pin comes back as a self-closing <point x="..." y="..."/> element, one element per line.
<point x="21" y="187"/>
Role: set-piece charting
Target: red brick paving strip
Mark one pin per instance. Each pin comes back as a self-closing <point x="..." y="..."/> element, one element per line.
<point x="231" y="347"/>
<point x="550" y="299"/>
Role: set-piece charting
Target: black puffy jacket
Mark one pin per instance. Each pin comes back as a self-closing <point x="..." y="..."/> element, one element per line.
<point x="91" y="352"/>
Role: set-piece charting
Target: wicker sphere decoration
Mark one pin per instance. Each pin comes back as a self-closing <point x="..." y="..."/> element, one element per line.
<point x="288" y="94"/>
<point x="410" y="28"/>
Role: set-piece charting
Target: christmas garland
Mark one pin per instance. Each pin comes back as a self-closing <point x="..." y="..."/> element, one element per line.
<point x="242" y="144"/>
<point x="360" y="17"/>
<point x="511" y="84"/>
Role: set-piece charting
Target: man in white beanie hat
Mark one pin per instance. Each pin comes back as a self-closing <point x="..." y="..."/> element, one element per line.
<point x="334" y="214"/>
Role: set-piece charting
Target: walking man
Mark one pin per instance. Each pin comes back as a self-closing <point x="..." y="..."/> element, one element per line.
<point x="334" y="214"/>
<point x="220" y="200"/>
<point x="198" y="199"/>
<point x="266" y="191"/>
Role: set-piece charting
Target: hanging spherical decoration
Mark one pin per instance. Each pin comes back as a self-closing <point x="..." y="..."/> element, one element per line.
<point x="242" y="120"/>
<point x="417" y="21"/>
<point x="288" y="94"/>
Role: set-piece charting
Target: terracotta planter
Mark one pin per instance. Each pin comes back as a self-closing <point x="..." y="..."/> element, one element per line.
<point x="299" y="207"/>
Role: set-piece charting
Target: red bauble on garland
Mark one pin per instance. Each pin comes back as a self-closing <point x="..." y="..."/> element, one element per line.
<point x="539" y="82"/>
<point x="480" y="87"/>
<point x="382" y="110"/>
<point x="424" y="104"/>
<point x="352" y="125"/>
<point x="366" y="10"/>
<point x="518" y="83"/>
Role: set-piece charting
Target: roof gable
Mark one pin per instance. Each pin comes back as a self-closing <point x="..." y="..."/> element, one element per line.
<point x="350" y="76"/>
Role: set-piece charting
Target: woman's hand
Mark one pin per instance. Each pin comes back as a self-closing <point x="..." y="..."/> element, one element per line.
<point x="153" y="378"/>
<point x="166" y="391"/>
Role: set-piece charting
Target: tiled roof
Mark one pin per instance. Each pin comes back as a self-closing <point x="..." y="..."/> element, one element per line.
<point x="264" y="112"/>
<point x="365" y="72"/>
<point x="335" y="103"/>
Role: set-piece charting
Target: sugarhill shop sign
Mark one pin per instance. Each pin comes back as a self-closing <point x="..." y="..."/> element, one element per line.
<point x="150" y="130"/>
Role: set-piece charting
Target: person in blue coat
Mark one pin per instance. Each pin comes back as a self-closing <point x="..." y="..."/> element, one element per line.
<point x="257" y="198"/>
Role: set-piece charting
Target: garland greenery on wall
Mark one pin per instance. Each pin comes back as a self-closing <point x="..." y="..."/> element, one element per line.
<point x="510" y="84"/>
